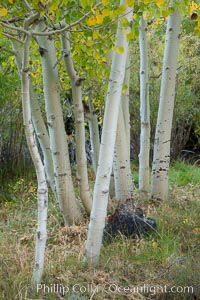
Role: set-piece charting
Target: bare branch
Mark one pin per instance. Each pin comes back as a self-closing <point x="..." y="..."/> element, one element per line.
<point x="65" y="27"/>
<point x="31" y="20"/>
<point x="27" y="5"/>
<point x="12" y="37"/>
<point x="7" y="50"/>
<point x="19" y="29"/>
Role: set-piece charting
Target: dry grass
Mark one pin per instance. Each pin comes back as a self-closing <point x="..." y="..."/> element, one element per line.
<point x="169" y="258"/>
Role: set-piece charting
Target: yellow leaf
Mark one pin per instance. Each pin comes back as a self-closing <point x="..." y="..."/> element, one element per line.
<point x="106" y="12"/>
<point x="99" y="19"/>
<point x="160" y="3"/>
<point x="146" y="1"/>
<point x="130" y="36"/>
<point x="3" y="12"/>
<point x="11" y="1"/>
<point x="193" y="7"/>
<point x="31" y="190"/>
<point x="124" y="90"/>
<point x="96" y="55"/>
<point x="130" y="2"/>
<point x="119" y="50"/>
<point x="196" y="230"/>
<point x="121" y="9"/>
<point x="53" y="7"/>
<point x="154" y="245"/>
<point x="105" y="2"/>
<point x="164" y="13"/>
<point x="96" y="35"/>
<point x="89" y="43"/>
<point x="146" y="15"/>
<point x="197" y="31"/>
<point x="91" y="21"/>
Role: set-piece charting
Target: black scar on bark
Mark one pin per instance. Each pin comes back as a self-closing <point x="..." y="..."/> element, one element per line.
<point x="129" y="223"/>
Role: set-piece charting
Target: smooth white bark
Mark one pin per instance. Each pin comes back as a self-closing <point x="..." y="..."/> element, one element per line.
<point x="121" y="163"/>
<point x="161" y="157"/>
<point x="101" y="189"/>
<point x="125" y="105"/>
<point x="38" y="123"/>
<point x="82" y="175"/>
<point x="42" y="191"/>
<point x="58" y="142"/>
<point x="144" y="110"/>
<point x="43" y="138"/>
<point x="94" y="135"/>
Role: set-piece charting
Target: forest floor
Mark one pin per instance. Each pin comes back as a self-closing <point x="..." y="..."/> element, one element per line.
<point x="165" y="265"/>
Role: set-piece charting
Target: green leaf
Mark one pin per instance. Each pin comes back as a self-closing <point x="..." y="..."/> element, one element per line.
<point x="125" y="22"/>
<point x="85" y="3"/>
<point x="164" y="13"/>
<point x="119" y="50"/>
<point x="130" y="36"/>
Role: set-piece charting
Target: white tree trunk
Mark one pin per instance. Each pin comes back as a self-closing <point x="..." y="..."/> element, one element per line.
<point x="42" y="192"/>
<point x="144" y="110"/>
<point x="94" y="135"/>
<point x="79" y="126"/>
<point x="161" y="157"/>
<point x="121" y="163"/>
<point x="43" y="138"/>
<point x="38" y="123"/>
<point x="58" y="142"/>
<point x="125" y="105"/>
<point x="101" y="189"/>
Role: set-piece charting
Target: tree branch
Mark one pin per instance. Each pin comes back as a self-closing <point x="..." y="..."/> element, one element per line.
<point x="19" y="29"/>
<point x="12" y="37"/>
<point x="7" y="50"/>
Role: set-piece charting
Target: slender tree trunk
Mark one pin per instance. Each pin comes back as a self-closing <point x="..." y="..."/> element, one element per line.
<point x="101" y="189"/>
<point x="94" y="135"/>
<point x="42" y="192"/>
<point x="121" y="163"/>
<point x="144" y="110"/>
<point x="43" y="138"/>
<point x="161" y="157"/>
<point x="58" y="142"/>
<point x="38" y="123"/>
<point x="125" y="105"/>
<point x="79" y="126"/>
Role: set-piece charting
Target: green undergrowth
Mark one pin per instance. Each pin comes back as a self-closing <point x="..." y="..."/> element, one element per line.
<point x="182" y="174"/>
<point x="146" y="268"/>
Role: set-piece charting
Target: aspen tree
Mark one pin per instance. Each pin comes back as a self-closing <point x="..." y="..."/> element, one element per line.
<point x="161" y="158"/>
<point x="101" y="189"/>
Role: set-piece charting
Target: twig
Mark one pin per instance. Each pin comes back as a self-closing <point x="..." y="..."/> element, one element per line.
<point x="12" y="37"/>
<point x="20" y="29"/>
<point x="7" y="50"/>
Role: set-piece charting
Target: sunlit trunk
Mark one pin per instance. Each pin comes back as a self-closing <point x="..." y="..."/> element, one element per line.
<point x="38" y="123"/>
<point x="58" y="142"/>
<point x="101" y="189"/>
<point x="161" y="159"/>
<point x="79" y="125"/>
<point x="121" y="162"/>
<point x="144" y="110"/>
<point x="41" y="234"/>
<point x="94" y="135"/>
